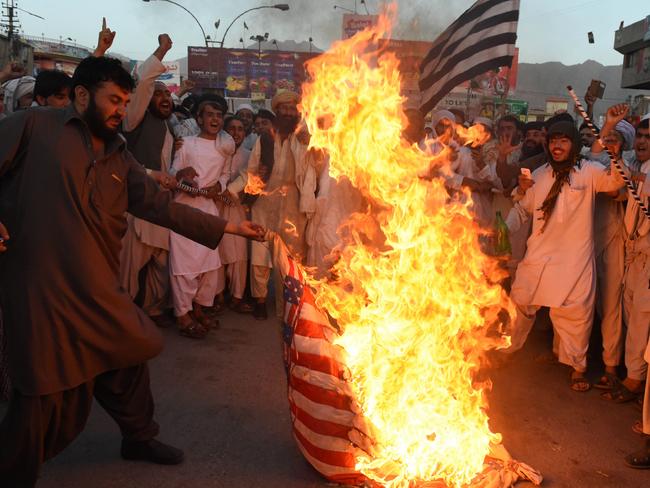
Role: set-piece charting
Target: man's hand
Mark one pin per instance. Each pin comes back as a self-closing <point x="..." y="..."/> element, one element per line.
<point x="614" y="115"/>
<point x="477" y="186"/>
<point x="188" y="174"/>
<point x="104" y="40"/>
<point x="186" y="86"/>
<point x="303" y="136"/>
<point x="477" y="155"/>
<point x="11" y="71"/>
<point x="178" y="143"/>
<point x="4" y="237"/>
<point x="505" y="147"/>
<point x="524" y="184"/>
<point x="213" y="191"/>
<point x="164" y="45"/>
<point x="590" y="99"/>
<point x="165" y="180"/>
<point x="246" y="229"/>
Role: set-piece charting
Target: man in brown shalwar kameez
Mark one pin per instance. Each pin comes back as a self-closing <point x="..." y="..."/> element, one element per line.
<point x="66" y="181"/>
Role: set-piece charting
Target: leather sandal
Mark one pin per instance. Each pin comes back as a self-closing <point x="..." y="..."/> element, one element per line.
<point x="193" y="331"/>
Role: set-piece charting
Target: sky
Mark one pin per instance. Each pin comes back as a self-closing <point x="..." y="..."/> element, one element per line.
<point x="549" y="30"/>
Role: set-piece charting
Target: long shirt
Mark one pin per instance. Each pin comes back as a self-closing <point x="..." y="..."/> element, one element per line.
<point x="211" y="159"/>
<point x="235" y="248"/>
<point x="66" y="317"/>
<point x="560" y="260"/>
<point x="289" y="197"/>
<point x="136" y="114"/>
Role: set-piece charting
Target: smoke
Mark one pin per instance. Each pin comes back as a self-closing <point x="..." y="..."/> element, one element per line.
<point x="318" y="19"/>
<point x="416" y="20"/>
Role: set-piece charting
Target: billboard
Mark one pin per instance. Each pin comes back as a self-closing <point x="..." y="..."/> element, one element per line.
<point x="245" y="73"/>
<point x="353" y="23"/>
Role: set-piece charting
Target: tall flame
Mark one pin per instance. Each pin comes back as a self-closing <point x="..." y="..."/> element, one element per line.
<point x="414" y="295"/>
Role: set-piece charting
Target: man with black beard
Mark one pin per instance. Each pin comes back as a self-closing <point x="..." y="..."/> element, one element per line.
<point x="73" y="333"/>
<point x="281" y="160"/>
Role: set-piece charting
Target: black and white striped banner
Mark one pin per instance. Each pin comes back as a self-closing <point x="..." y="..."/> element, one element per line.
<point x="481" y="39"/>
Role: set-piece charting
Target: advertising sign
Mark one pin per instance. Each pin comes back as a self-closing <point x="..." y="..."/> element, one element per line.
<point x="244" y="73"/>
<point x="353" y="23"/>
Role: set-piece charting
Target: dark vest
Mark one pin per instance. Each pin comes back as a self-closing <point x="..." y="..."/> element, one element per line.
<point x="146" y="141"/>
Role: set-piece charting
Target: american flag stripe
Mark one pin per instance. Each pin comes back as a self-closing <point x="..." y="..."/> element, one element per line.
<point x="481" y="39"/>
<point x="319" y="347"/>
<point x="321" y="411"/>
<point x="327" y="456"/>
<point x="319" y="426"/>
<point x="316" y="362"/>
<point x="320" y="395"/>
<point x="323" y="441"/>
<point x="324" y="380"/>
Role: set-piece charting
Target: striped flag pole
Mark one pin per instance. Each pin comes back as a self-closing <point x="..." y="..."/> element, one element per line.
<point x="201" y="192"/>
<point x="630" y="186"/>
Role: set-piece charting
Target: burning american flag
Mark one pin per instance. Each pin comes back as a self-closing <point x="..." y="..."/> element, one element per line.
<point x="383" y="388"/>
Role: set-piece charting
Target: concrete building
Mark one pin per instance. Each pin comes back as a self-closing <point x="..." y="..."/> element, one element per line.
<point x="633" y="42"/>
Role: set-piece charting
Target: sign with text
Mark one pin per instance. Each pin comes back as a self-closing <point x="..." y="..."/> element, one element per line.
<point x="245" y="73"/>
<point x="353" y="23"/>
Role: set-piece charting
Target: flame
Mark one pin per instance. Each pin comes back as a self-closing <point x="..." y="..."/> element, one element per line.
<point x="413" y="294"/>
<point x="254" y="184"/>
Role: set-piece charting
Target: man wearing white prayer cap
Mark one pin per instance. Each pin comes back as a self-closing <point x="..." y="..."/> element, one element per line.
<point x="247" y="115"/>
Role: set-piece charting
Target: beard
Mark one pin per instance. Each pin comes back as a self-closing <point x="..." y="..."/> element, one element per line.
<point x="97" y="124"/>
<point x="529" y="150"/>
<point x="286" y="124"/>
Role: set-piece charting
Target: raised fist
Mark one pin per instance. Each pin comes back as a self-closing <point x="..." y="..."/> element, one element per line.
<point x="165" y="42"/>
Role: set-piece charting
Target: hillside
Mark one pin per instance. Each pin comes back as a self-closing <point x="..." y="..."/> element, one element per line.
<point x="536" y="82"/>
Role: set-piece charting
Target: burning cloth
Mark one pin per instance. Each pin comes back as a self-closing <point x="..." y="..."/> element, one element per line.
<point x="384" y="388"/>
<point x="328" y="424"/>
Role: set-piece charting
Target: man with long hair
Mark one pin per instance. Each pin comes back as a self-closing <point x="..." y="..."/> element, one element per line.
<point x="558" y="270"/>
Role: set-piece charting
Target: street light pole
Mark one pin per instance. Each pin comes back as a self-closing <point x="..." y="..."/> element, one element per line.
<point x="280" y="6"/>
<point x="205" y="38"/>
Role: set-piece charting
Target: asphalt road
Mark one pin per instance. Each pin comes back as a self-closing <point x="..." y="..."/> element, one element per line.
<point x="223" y="401"/>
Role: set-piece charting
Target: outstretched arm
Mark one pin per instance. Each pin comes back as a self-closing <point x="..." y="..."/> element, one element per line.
<point x="148" y="202"/>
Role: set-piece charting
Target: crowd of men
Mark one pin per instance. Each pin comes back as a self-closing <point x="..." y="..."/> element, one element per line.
<point x="151" y="197"/>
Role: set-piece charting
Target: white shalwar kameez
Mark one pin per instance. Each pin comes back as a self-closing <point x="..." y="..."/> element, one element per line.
<point x="636" y="287"/>
<point x="233" y="249"/>
<point x="193" y="267"/>
<point x="288" y="201"/>
<point x="558" y="270"/>
<point x="609" y="235"/>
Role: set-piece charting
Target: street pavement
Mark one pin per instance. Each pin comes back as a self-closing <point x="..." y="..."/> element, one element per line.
<point x="223" y="400"/>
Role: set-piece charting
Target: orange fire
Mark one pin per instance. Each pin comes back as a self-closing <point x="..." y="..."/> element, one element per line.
<point x="254" y="185"/>
<point x="416" y="309"/>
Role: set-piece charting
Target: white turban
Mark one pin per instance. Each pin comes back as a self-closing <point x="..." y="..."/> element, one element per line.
<point x="627" y="131"/>
<point x="245" y="106"/>
<point x="284" y="97"/>
<point x="16" y="89"/>
<point x="483" y="120"/>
